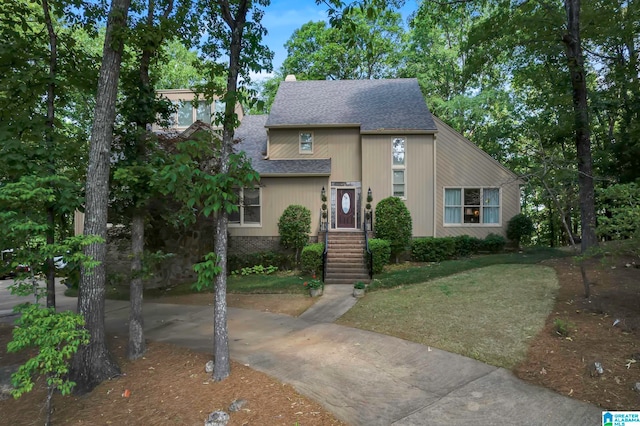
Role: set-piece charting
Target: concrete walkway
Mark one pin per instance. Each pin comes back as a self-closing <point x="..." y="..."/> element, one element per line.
<point x="362" y="377"/>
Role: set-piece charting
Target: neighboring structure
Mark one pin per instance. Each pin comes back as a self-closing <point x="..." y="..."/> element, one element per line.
<point x="353" y="135"/>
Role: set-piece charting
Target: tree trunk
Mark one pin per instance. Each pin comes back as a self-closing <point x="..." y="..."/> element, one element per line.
<point x="222" y="366"/>
<point x="137" y="346"/>
<point x="583" y="135"/>
<point x="49" y="130"/>
<point x="236" y="24"/>
<point x="93" y="363"/>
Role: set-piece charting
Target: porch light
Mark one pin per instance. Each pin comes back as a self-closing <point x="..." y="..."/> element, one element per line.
<point x="369" y="195"/>
<point x="323" y="193"/>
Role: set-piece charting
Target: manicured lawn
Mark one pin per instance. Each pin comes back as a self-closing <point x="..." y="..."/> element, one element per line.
<point x="418" y="274"/>
<point x="487" y="314"/>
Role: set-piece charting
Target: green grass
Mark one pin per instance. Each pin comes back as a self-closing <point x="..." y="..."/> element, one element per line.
<point x="430" y="271"/>
<point x="487" y="314"/>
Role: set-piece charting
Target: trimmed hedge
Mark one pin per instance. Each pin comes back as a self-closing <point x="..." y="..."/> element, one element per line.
<point x="311" y="258"/>
<point x="381" y="252"/>
<point x="466" y="245"/>
<point x="494" y="243"/>
<point x="431" y="249"/>
<point x="393" y="223"/>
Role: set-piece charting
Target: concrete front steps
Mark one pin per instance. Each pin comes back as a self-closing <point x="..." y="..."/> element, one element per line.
<point x="345" y="258"/>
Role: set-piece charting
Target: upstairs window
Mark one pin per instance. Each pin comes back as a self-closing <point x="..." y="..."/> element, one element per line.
<point x="398" y="167"/>
<point x="306" y="143"/>
<point x="471" y="206"/>
<point x="187" y="112"/>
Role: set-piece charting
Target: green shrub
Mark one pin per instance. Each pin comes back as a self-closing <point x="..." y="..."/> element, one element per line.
<point x="294" y="227"/>
<point x="381" y="253"/>
<point x="466" y="245"/>
<point x="494" y="243"/>
<point x="282" y="260"/>
<point x="393" y="223"/>
<point x="311" y="258"/>
<point x="520" y="229"/>
<point x="431" y="249"/>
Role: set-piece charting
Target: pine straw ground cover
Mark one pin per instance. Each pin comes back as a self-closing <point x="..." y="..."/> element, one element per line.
<point x="167" y="387"/>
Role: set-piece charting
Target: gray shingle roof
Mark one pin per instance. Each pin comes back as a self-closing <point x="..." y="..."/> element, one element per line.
<point x="374" y="105"/>
<point x="252" y="137"/>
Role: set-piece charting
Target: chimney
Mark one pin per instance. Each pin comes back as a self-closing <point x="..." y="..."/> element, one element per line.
<point x="290" y="77"/>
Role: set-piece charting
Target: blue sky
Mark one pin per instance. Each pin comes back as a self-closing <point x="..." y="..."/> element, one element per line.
<point x="283" y="17"/>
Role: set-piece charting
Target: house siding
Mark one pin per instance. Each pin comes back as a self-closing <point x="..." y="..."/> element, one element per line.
<point x="277" y="195"/>
<point x="461" y="164"/>
<point x="377" y="175"/>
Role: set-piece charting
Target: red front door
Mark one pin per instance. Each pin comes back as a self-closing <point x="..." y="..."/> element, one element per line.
<point x="346" y="208"/>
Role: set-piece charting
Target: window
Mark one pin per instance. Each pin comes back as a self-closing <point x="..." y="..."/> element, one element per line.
<point x="248" y="213"/>
<point x="203" y="112"/>
<point x="472" y="205"/>
<point x="306" y="143"/>
<point x="398" y="167"/>
<point x="186" y="113"/>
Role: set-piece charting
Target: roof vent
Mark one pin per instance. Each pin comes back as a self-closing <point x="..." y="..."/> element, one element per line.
<point x="290" y="77"/>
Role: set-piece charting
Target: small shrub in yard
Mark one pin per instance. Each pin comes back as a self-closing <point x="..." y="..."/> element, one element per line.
<point x="466" y="245"/>
<point x="294" y="227"/>
<point x="431" y="249"/>
<point x="57" y="336"/>
<point x="494" y="243"/>
<point x="562" y="327"/>
<point x="394" y="224"/>
<point x="381" y="253"/>
<point x="520" y="229"/>
<point x="311" y="258"/>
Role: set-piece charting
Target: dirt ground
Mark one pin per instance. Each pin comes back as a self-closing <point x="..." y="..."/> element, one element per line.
<point x="169" y="386"/>
<point x="566" y="363"/>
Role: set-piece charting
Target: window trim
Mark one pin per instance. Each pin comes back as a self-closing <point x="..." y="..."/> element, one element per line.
<point x="481" y="207"/>
<point x="399" y="167"/>
<point x="300" y="150"/>
<point x="241" y="207"/>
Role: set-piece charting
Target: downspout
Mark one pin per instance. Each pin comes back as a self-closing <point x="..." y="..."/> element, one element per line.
<point x="435" y="178"/>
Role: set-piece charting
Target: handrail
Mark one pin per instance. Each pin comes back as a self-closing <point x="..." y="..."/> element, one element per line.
<point x="324" y="254"/>
<point x="368" y="250"/>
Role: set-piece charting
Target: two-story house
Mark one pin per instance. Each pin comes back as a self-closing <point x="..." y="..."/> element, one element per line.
<point x="351" y="136"/>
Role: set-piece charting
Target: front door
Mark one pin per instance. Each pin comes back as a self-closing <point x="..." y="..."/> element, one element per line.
<point x="346" y="208"/>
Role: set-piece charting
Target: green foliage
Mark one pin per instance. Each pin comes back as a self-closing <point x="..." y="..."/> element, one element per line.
<point x="431" y="249"/>
<point x="393" y="223"/>
<point x="313" y="283"/>
<point x="56" y="336"/>
<point x="368" y="47"/>
<point x="381" y="253"/>
<point x="282" y="260"/>
<point x="621" y="206"/>
<point x="359" y="285"/>
<point x="494" y="243"/>
<point x="294" y="226"/>
<point x="256" y="270"/>
<point x="207" y="271"/>
<point x="466" y="245"/>
<point x="520" y="229"/>
<point x="562" y="327"/>
<point x="311" y="258"/>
